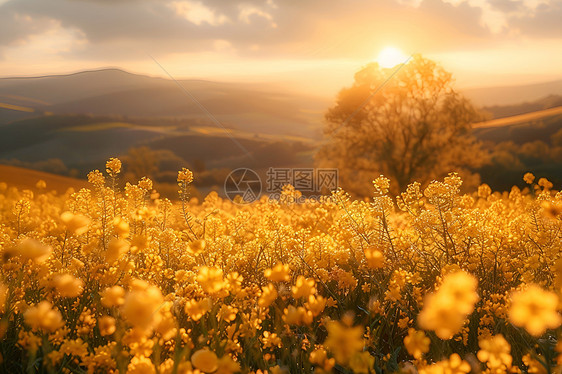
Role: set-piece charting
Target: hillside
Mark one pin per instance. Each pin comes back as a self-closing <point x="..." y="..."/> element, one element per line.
<point x="27" y="178"/>
<point x="255" y="108"/>
<point x="501" y="111"/>
<point x="510" y="95"/>
<point x="523" y="128"/>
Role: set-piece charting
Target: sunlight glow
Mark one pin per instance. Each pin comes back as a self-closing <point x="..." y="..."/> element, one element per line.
<point x="390" y="57"/>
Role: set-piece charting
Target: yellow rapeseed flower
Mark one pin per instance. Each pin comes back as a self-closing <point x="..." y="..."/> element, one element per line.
<point x="43" y="317"/>
<point x="416" y="343"/>
<point x="279" y="273"/>
<point x="67" y="285"/>
<point x="113" y="166"/>
<point x="197" y="309"/>
<point x="315" y="304"/>
<point x="535" y="310"/>
<point x="344" y="341"/>
<point x="121" y="227"/>
<point x="227" y="365"/>
<point x="320" y="358"/>
<point x="205" y="360"/>
<point x="113" y="296"/>
<point x="141" y="365"/>
<point x="116" y="248"/>
<point x="31" y="249"/>
<point x="141" y="305"/>
<point x="496" y="353"/>
<point x="304" y="287"/>
<point x="106" y="325"/>
<point x="374" y="257"/>
<point x="228" y="313"/>
<point x="445" y="311"/>
<point x="196" y="247"/>
<point x="528" y="178"/>
<point x="454" y="365"/>
<point x="211" y="279"/>
<point x="297" y="316"/>
<point x="185" y="176"/>
<point x="268" y="295"/>
<point x="76" y="223"/>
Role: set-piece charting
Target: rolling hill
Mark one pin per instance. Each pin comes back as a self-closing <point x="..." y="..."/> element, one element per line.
<point x="71" y="124"/>
<point x="253" y="108"/>
<point x="27" y="178"/>
<point x="512" y="95"/>
<point x="523" y="128"/>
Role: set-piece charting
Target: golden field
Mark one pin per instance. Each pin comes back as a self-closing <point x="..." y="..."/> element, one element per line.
<point x="110" y="279"/>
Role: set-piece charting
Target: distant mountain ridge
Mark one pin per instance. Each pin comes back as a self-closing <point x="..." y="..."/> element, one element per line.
<point x="113" y="92"/>
<point x="512" y="95"/>
<point x="502" y="111"/>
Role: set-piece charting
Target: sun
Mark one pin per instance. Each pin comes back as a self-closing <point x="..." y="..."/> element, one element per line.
<point x="390" y="57"/>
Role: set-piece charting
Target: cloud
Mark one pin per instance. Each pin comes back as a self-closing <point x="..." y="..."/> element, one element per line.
<point x="197" y="13"/>
<point x="543" y="21"/>
<point x="128" y="29"/>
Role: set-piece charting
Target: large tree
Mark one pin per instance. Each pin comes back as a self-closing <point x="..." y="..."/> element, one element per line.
<point x="407" y="123"/>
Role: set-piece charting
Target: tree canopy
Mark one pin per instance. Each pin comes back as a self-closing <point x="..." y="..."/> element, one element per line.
<point x="408" y="124"/>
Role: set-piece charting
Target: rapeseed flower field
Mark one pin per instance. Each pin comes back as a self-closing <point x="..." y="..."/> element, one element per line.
<point x="110" y="279"/>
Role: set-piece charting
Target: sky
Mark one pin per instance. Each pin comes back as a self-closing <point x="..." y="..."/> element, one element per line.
<point x="309" y="45"/>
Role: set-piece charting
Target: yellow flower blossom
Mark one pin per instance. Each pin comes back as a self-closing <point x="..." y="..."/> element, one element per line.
<point x="121" y="227"/>
<point x="304" y="287"/>
<point x="535" y="310"/>
<point x="454" y="365"/>
<point x="445" y="311"/>
<point x="113" y="166"/>
<point x="268" y="296"/>
<point x="31" y="249"/>
<point x="211" y="279"/>
<point x="297" y="316"/>
<point x="227" y="365"/>
<point x="141" y="304"/>
<point x="116" y="248"/>
<point x="196" y="247"/>
<point x="228" y="313"/>
<point x="76" y="223"/>
<point x="279" y="273"/>
<point x="416" y="343"/>
<point x="315" y="304"/>
<point x="43" y="317"/>
<point x="534" y="365"/>
<point x="205" y="360"/>
<point x="362" y="363"/>
<point x="185" y="176"/>
<point x="197" y="309"/>
<point x="529" y="178"/>
<point x="344" y="341"/>
<point x="106" y="325"/>
<point x="141" y="365"/>
<point x="320" y="358"/>
<point x="68" y="286"/>
<point x="113" y="296"/>
<point x="270" y="340"/>
<point x="374" y="257"/>
<point x="496" y="353"/>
